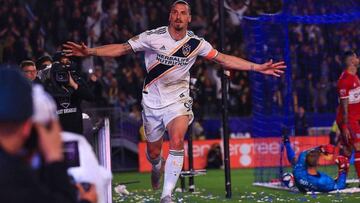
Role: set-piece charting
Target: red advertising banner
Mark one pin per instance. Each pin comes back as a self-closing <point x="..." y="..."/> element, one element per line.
<point x="244" y="153"/>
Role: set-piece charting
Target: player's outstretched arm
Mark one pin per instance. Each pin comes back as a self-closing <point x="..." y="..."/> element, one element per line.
<point x="111" y="50"/>
<point x="236" y="63"/>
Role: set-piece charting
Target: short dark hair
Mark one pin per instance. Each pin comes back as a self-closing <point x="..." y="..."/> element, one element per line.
<point x="181" y="2"/>
<point x="312" y="158"/>
<point x="26" y="63"/>
<point x="348" y="54"/>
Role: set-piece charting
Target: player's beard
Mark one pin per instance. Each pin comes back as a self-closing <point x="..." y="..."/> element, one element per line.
<point x="178" y="28"/>
<point x="178" y="25"/>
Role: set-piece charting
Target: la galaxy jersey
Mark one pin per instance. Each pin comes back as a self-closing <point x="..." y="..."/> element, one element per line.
<point x="168" y="63"/>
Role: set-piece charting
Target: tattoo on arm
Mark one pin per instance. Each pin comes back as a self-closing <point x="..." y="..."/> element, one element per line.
<point x="111" y="50"/>
<point x="345" y="103"/>
<point x="127" y="48"/>
<point x="220" y="59"/>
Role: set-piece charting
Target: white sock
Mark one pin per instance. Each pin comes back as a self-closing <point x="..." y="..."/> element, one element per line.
<point x="173" y="166"/>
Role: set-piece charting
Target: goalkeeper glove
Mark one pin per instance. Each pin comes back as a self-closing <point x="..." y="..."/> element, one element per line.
<point x="343" y="163"/>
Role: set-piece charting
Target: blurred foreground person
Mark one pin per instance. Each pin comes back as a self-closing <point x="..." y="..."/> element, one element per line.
<point x="91" y="179"/>
<point x="19" y="183"/>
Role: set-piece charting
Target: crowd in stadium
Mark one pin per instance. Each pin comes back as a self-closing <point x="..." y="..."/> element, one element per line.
<point x="317" y="62"/>
<point x="28" y="31"/>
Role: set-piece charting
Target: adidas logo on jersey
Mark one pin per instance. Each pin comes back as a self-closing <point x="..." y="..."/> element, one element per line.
<point x="163" y="47"/>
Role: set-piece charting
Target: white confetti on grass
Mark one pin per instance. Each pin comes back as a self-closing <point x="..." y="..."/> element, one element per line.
<point x="202" y="195"/>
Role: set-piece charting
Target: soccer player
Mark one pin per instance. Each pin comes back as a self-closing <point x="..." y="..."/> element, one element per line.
<point x="307" y="177"/>
<point x="170" y="51"/>
<point x="348" y="114"/>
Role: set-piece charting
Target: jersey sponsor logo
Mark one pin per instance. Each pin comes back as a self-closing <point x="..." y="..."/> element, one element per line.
<point x="172" y="60"/>
<point x="354" y="96"/>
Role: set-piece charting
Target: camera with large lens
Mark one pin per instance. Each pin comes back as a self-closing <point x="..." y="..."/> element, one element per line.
<point x="57" y="83"/>
<point x="59" y="73"/>
<point x="63" y="68"/>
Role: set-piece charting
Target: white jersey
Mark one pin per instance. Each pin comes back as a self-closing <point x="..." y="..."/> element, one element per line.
<point x="168" y="63"/>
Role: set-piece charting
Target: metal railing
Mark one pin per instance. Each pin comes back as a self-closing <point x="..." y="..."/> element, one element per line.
<point x="124" y="134"/>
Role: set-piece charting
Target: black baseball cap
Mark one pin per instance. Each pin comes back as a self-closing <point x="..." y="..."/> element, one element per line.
<point x="41" y="60"/>
<point x="16" y="103"/>
<point x="58" y="55"/>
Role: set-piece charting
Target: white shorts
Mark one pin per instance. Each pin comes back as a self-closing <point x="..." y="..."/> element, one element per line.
<point x="156" y="120"/>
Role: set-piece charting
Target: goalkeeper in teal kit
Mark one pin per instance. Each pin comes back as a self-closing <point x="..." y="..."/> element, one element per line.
<point x="306" y="176"/>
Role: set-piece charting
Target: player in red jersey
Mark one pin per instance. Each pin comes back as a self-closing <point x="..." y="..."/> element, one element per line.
<point x="348" y="113"/>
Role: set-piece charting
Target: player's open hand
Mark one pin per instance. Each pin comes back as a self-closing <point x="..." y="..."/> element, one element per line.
<point x="270" y="68"/>
<point x="73" y="49"/>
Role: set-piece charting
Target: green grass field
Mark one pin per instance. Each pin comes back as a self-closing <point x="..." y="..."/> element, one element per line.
<point x="210" y="188"/>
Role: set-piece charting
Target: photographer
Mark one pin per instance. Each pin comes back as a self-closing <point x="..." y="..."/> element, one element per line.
<point x="68" y="89"/>
<point x="18" y="181"/>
